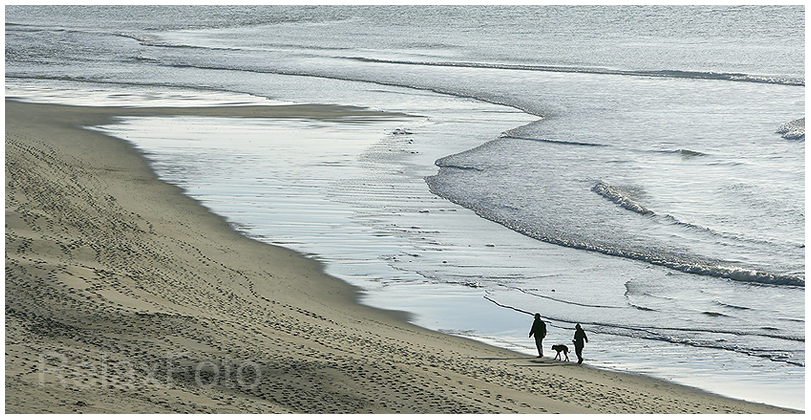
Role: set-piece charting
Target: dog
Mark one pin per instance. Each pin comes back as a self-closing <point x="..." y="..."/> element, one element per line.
<point x="560" y="348"/>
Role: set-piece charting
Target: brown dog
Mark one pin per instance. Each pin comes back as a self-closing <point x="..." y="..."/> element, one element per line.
<point x="560" y="348"/>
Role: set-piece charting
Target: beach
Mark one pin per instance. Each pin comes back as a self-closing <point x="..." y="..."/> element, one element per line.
<point x="123" y="295"/>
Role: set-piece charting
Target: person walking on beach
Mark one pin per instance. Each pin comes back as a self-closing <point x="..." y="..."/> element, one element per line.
<point x="539" y="330"/>
<point x="579" y="338"/>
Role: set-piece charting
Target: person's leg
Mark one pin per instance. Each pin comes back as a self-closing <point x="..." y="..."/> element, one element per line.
<point x="579" y="352"/>
<point x="539" y="345"/>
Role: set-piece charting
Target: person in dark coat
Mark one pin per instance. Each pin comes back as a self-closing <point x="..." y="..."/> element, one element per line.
<point x="579" y="338"/>
<point x="539" y="331"/>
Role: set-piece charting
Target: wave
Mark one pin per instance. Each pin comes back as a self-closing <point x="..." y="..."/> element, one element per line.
<point x="624" y="198"/>
<point x="150" y="41"/>
<point x="737" y="307"/>
<point x="620" y="197"/>
<point x="684" y="263"/>
<point x="679" y="74"/>
<point x="464" y="167"/>
<point x="505" y="135"/>
<point x="686" y="153"/>
<point x="793" y="130"/>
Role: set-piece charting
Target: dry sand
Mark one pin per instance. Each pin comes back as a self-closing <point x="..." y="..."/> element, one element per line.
<point x="125" y="296"/>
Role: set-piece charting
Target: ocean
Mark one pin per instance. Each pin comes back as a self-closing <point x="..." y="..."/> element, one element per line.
<point x="639" y="170"/>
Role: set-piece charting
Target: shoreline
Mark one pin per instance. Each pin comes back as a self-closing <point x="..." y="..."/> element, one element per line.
<point x="151" y="303"/>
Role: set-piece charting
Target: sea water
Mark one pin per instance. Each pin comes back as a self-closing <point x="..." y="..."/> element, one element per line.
<point x="638" y="170"/>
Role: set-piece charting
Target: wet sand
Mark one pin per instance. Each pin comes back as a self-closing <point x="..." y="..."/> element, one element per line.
<point x="125" y="296"/>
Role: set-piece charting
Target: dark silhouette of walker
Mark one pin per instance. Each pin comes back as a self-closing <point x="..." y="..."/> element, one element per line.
<point x="539" y="331"/>
<point x="579" y="338"/>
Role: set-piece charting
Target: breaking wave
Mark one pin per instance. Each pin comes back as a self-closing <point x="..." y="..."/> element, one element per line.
<point x="620" y="197"/>
<point x="685" y="263"/>
<point x="793" y="130"/>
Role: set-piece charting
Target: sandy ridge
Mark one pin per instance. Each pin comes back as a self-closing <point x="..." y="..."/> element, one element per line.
<point x="123" y="295"/>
